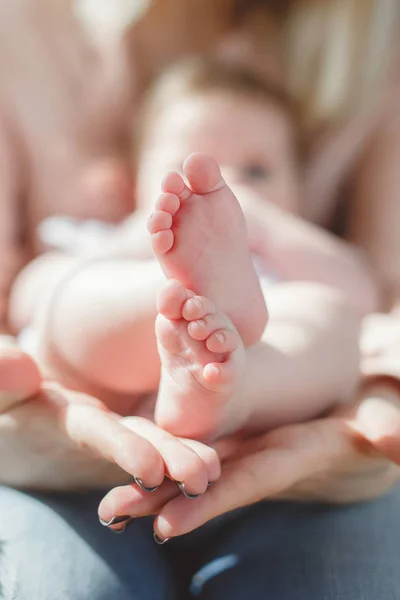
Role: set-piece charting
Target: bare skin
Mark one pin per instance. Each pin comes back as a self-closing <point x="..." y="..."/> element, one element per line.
<point x="55" y="439"/>
<point x="203" y="363"/>
<point x="350" y="456"/>
<point x="199" y="236"/>
<point x="203" y="358"/>
<point x="122" y="293"/>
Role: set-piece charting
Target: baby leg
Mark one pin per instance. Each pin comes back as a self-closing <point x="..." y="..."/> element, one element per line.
<point x="308" y="358"/>
<point x="98" y="329"/>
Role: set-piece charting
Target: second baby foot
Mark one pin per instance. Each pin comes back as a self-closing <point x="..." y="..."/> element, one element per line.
<point x="203" y="364"/>
<point x="199" y="236"/>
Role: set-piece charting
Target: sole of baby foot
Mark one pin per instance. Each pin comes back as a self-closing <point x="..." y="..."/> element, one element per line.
<point x="200" y="239"/>
<point x="203" y="365"/>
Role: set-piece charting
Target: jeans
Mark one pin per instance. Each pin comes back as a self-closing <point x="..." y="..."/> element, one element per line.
<point x="52" y="547"/>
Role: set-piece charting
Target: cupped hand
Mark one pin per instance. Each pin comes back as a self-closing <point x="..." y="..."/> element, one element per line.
<point x="346" y="457"/>
<point x="56" y="439"/>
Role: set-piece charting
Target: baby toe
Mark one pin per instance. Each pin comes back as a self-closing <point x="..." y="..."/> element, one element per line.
<point x="223" y="340"/>
<point x="201" y="329"/>
<point x="173" y="183"/>
<point x="171" y="300"/>
<point x="162" y="241"/>
<point x="198" y="307"/>
<point x="168" y="202"/>
<point x="203" y="173"/>
<point x="219" y="374"/>
<point x="159" y="221"/>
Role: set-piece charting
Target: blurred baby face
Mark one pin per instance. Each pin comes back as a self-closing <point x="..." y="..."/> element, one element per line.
<point x="252" y="141"/>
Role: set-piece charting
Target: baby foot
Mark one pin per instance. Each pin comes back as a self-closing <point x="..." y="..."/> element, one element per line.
<point x="202" y="366"/>
<point x="199" y="236"/>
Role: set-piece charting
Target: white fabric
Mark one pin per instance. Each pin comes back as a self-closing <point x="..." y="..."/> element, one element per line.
<point x="108" y="18"/>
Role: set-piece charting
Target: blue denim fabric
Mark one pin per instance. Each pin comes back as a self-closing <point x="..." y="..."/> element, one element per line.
<point x="53" y="548"/>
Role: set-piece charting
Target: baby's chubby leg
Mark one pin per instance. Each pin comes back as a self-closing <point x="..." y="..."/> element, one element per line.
<point x="308" y="358"/>
<point x="306" y="362"/>
<point x="97" y="328"/>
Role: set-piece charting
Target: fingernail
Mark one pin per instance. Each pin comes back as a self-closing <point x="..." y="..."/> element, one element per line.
<point x="124" y="527"/>
<point x="125" y="519"/>
<point x="149" y="490"/>
<point x="181" y="486"/>
<point x="198" y="302"/>
<point x="158" y="540"/>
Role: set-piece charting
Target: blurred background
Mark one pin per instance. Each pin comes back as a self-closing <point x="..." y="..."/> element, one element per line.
<point x="74" y="74"/>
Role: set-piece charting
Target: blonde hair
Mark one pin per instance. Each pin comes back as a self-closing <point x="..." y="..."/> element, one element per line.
<point x="339" y="53"/>
<point x="197" y="76"/>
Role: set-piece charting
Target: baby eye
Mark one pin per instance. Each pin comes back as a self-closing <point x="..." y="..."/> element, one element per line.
<point x="256" y="172"/>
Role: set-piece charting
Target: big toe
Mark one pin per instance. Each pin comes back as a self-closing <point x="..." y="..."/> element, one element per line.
<point x="171" y="299"/>
<point x="203" y="173"/>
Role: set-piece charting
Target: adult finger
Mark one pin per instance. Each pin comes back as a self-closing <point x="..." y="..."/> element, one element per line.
<point x="208" y="455"/>
<point x="19" y="377"/>
<point x="274" y="463"/>
<point x="189" y="462"/>
<point x="90" y="426"/>
<point x="377" y="419"/>
<point x="181" y="463"/>
<point x="132" y="501"/>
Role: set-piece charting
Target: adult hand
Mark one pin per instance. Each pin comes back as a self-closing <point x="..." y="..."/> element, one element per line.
<point x="348" y="456"/>
<point x="60" y="440"/>
<point x="342" y="458"/>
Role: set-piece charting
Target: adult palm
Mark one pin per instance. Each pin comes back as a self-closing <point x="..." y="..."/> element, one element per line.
<point x="55" y="439"/>
<point x="351" y="455"/>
